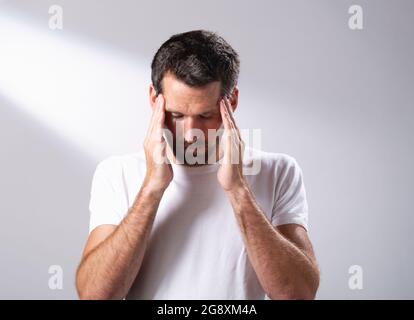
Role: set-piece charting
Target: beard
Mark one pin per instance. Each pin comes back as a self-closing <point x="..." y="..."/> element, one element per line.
<point x="200" y="152"/>
<point x="195" y="154"/>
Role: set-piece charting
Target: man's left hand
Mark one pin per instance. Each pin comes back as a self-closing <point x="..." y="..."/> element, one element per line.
<point x="230" y="174"/>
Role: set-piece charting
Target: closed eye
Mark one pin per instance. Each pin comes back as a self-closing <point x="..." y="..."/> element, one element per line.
<point x="205" y="116"/>
<point x="176" y="115"/>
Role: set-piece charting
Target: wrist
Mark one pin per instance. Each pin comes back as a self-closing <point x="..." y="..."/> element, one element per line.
<point x="150" y="188"/>
<point x="238" y="188"/>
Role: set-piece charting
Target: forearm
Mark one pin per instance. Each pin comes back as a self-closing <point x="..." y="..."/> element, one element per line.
<point x="109" y="270"/>
<point x="283" y="270"/>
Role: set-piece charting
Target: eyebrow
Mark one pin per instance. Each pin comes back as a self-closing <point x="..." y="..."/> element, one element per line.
<point x="211" y="110"/>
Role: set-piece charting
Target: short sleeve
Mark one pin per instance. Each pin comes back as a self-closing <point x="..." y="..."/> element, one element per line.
<point x="103" y="204"/>
<point x="290" y="204"/>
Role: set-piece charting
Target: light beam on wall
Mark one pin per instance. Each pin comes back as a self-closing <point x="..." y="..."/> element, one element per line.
<point x="89" y="94"/>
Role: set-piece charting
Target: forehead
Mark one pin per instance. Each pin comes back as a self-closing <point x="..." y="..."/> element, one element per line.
<point x="180" y="97"/>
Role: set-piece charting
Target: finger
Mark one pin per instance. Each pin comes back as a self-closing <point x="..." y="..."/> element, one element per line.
<point x="224" y="115"/>
<point x="157" y="113"/>
<point x="231" y="115"/>
<point x="237" y="141"/>
<point x="226" y="147"/>
<point x="160" y="120"/>
<point x="229" y="108"/>
<point x="220" y="144"/>
<point x="228" y="150"/>
<point x="228" y="135"/>
<point x="153" y="117"/>
<point x="170" y="155"/>
<point x="226" y="129"/>
<point x="232" y="127"/>
<point x="229" y="112"/>
<point x="157" y="135"/>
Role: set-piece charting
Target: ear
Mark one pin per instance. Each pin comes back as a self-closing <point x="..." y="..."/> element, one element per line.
<point x="234" y="98"/>
<point x="152" y="96"/>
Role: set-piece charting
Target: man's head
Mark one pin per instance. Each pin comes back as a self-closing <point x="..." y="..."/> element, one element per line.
<point x="193" y="71"/>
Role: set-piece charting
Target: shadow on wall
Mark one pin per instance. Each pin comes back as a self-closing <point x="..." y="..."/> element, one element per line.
<point x="45" y="184"/>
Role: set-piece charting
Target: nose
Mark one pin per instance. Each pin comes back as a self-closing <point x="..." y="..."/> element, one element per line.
<point x="189" y="125"/>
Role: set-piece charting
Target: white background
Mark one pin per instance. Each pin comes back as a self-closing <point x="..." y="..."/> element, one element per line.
<point x="339" y="101"/>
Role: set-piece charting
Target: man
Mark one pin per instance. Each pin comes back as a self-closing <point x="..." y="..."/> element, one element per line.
<point x="204" y="229"/>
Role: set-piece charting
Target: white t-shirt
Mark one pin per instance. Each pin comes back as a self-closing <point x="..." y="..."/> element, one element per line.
<point x="196" y="249"/>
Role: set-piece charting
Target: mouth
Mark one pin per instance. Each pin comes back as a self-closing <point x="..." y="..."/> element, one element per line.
<point x="191" y="155"/>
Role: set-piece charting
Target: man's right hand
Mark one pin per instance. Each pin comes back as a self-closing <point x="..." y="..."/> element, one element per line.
<point x="159" y="173"/>
<point x="114" y="253"/>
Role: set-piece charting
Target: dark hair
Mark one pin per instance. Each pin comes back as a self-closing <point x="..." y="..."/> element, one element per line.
<point x="197" y="58"/>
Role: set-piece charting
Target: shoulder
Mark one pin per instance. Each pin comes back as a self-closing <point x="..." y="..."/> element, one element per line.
<point x="271" y="161"/>
<point x="115" y="165"/>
